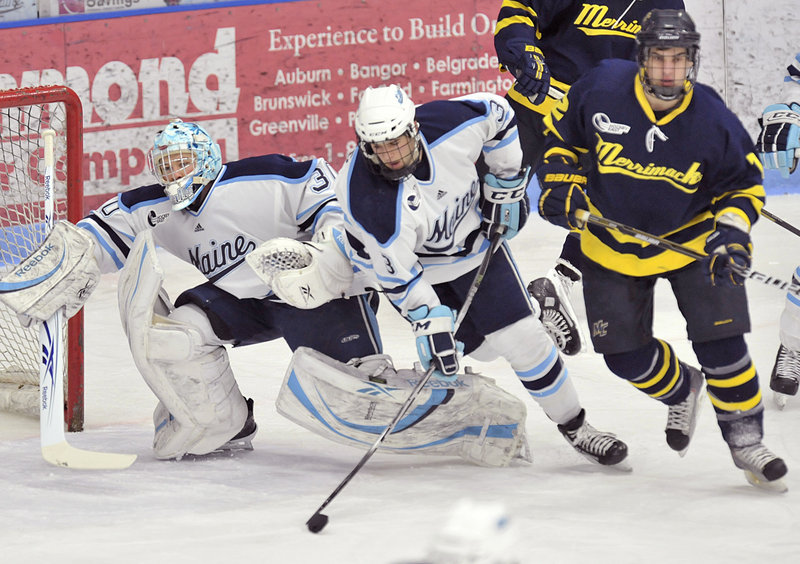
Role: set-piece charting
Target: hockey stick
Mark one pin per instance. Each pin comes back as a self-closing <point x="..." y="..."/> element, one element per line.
<point x="775" y="219"/>
<point x="657" y="241"/>
<point x="55" y="448"/>
<point x="318" y="520"/>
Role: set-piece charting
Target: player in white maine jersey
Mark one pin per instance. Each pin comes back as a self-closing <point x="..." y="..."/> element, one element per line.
<point x="778" y="148"/>
<point x="211" y="215"/>
<point x="417" y="218"/>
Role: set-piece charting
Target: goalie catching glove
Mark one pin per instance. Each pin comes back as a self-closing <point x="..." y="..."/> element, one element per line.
<point x="304" y="274"/>
<point x="504" y="205"/>
<point x="62" y="272"/>
<point x="778" y="144"/>
<point x="729" y="251"/>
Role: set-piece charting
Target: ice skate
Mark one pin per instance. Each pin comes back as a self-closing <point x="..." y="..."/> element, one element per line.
<point x="761" y="467"/>
<point x="244" y="438"/>
<point x="601" y="448"/>
<point x="785" y="377"/>
<point x="557" y="315"/>
<point x="682" y="417"/>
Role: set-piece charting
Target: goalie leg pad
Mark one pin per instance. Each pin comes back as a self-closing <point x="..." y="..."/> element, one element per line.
<point x="352" y="404"/>
<point x="62" y="272"/>
<point x="200" y="405"/>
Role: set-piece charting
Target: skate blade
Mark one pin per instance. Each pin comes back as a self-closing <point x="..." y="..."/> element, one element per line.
<point x="780" y="399"/>
<point x="775" y="486"/>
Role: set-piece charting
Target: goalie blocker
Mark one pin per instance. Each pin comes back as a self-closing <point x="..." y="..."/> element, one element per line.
<point x="352" y="403"/>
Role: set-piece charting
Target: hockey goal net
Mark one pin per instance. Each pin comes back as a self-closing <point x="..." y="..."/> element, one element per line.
<point x="24" y="114"/>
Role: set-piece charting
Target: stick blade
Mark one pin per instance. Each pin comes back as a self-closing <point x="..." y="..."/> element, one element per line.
<point x="67" y="456"/>
<point x="317" y="522"/>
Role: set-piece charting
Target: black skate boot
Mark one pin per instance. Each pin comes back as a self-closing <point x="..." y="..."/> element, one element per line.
<point x="557" y="315"/>
<point x="601" y="448"/>
<point x="244" y="438"/>
<point x="682" y="417"/>
<point x="785" y="378"/>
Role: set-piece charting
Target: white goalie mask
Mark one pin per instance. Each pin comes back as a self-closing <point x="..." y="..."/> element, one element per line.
<point x="387" y="133"/>
<point x="184" y="159"/>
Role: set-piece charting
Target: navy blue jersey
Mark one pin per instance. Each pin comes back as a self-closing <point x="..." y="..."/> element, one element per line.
<point x="574" y="36"/>
<point x="670" y="174"/>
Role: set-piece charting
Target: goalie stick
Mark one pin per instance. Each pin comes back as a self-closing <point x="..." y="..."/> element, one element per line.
<point x="55" y="448"/>
<point x="318" y="520"/>
<point x="746" y="273"/>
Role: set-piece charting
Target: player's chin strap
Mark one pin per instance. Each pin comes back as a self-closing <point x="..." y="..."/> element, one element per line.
<point x="318" y="520"/>
<point x="657" y="241"/>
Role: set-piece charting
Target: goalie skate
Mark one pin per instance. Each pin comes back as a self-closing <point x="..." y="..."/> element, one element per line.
<point x="761" y="467"/>
<point x="682" y="417"/>
<point x="244" y="438"/>
<point x="601" y="448"/>
<point x="557" y="315"/>
<point x="785" y="378"/>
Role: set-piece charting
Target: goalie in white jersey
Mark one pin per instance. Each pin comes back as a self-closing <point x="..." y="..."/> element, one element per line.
<point x="417" y="218"/>
<point x="210" y="215"/>
<point x="778" y="148"/>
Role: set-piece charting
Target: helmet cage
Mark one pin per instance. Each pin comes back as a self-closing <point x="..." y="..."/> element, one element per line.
<point x="184" y="159"/>
<point x="664" y="29"/>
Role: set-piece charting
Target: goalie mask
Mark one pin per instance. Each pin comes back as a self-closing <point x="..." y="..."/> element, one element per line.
<point x="387" y="133"/>
<point x="184" y="159"/>
<point x="668" y="29"/>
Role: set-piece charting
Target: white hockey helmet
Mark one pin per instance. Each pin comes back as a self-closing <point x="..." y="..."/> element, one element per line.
<point x="384" y="114"/>
<point x="184" y="159"/>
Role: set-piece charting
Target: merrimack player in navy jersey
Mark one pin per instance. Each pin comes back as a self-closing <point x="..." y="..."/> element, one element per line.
<point x="211" y="215"/>
<point x="667" y="157"/>
<point x="417" y="219"/>
<point x="547" y="45"/>
<point x="778" y="148"/>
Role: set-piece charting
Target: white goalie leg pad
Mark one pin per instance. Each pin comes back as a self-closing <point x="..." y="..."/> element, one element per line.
<point x="532" y="354"/>
<point x="200" y="406"/>
<point x="62" y="272"/>
<point x="305" y="275"/>
<point x="352" y="404"/>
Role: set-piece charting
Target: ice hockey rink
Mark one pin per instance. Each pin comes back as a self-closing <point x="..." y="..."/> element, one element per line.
<point x="252" y="507"/>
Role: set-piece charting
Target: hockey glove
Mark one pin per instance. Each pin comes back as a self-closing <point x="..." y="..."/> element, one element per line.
<point x="562" y="194"/>
<point x="778" y="144"/>
<point x="504" y="205"/>
<point x="729" y="253"/>
<point x="526" y="63"/>
<point x="436" y="343"/>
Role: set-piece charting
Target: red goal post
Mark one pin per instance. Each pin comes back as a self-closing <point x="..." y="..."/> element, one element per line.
<point x="24" y="113"/>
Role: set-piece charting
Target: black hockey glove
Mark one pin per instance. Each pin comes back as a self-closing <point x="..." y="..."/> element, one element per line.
<point x="778" y="144"/>
<point x="562" y="195"/>
<point x="729" y="252"/>
<point x="526" y="63"/>
<point x="504" y="204"/>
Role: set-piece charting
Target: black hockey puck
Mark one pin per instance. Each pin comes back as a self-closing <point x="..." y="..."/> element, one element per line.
<point x="317" y="522"/>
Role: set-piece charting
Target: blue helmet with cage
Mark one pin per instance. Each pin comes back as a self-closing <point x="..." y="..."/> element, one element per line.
<point x="184" y="159"/>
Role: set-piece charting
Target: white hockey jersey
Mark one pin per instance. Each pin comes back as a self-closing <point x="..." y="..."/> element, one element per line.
<point x="251" y="201"/>
<point x="425" y="229"/>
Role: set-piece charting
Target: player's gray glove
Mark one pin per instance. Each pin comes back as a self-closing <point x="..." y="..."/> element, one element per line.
<point x="526" y="62"/>
<point x="504" y="204"/>
<point x="778" y="144"/>
<point x="436" y="343"/>
<point x="729" y="252"/>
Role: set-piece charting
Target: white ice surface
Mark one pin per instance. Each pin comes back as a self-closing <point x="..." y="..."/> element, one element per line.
<point x="253" y="507"/>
